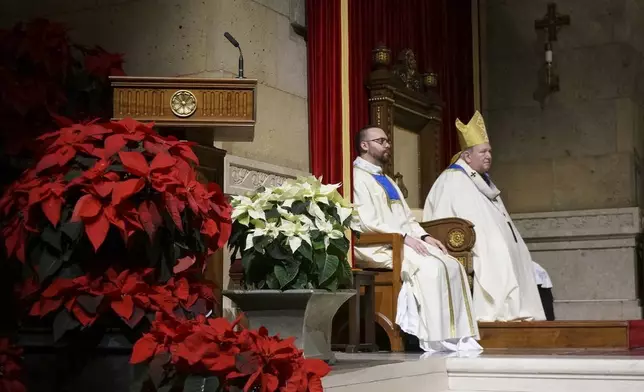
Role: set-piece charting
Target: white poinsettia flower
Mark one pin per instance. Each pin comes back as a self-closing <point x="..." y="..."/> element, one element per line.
<point x="314" y="210"/>
<point x="328" y="228"/>
<point x="245" y="209"/>
<point x="328" y="189"/>
<point x="343" y="212"/>
<point x="262" y="229"/>
<point x="296" y="232"/>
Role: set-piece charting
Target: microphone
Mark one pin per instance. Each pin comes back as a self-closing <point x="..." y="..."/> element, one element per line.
<point x="234" y="42"/>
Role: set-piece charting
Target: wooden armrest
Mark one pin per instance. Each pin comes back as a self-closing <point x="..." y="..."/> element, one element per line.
<point x="379" y="239"/>
<point x="456" y="234"/>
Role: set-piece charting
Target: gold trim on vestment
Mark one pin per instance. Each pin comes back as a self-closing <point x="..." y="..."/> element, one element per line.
<point x="467" y="302"/>
<point x="452" y="323"/>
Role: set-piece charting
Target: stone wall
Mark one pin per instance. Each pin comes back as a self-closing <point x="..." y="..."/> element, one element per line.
<point x="593" y="258"/>
<point x="185" y="38"/>
<point x="583" y="149"/>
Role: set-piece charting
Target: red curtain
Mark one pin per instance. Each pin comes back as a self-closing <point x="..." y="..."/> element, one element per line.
<point x="324" y="83"/>
<point x="439" y="33"/>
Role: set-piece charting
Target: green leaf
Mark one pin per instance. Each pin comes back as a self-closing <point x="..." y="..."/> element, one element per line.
<point x="345" y="276"/>
<point x="196" y="383"/>
<point x="73" y="174"/>
<point x="306" y="251"/>
<point x="89" y="303"/>
<point x="340" y="244"/>
<point x="276" y="251"/>
<point x="261" y="242"/>
<point x="157" y="369"/>
<point x="48" y="264"/>
<point x="71" y="272"/>
<point x="86" y="162"/>
<point x="72" y="230"/>
<point x="117" y="168"/>
<point x="299" y="207"/>
<point x="272" y="282"/>
<point x="247" y="260"/>
<point x="331" y="285"/>
<point x="301" y="281"/>
<point x="319" y="259"/>
<point x="52" y="237"/>
<point x="329" y="269"/>
<point x="285" y="274"/>
<point x="272" y="213"/>
<point x="62" y="323"/>
<point x="139" y="377"/>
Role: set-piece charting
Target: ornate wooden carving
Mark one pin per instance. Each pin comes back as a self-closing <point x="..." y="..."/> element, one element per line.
<point x="401" y="96"/>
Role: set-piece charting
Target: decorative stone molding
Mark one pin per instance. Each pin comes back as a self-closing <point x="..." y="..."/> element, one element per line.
<point x="243" y="175"/>
<point x="607" y="224"/>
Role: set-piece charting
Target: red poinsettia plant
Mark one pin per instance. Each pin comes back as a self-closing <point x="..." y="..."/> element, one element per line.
<point x="44" y="74"/>
<point x="10" y="367"/>
<point x="113" y="219"/>
<point x="210" y="355"/>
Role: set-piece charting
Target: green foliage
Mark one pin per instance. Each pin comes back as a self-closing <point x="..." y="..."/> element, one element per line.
<point x="293" y="236"/>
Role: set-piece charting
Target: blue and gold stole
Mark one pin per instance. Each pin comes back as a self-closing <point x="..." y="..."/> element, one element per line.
<point x="390" y="189"/>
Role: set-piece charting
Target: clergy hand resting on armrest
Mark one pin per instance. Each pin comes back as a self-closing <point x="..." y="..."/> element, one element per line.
<point x="420" y="248"/>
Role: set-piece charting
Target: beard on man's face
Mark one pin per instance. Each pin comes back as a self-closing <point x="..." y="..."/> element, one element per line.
<point x="383" y="156"/>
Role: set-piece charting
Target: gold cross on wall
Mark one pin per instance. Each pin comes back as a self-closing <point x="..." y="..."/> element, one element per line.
<point x="552" y="22"/>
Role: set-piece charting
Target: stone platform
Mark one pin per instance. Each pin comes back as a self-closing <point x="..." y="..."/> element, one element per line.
<point x="490" y="370"/>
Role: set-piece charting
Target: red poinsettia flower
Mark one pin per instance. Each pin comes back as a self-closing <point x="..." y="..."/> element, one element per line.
<point x="216" y="347"/>
<point x="49" y="195"/>
<point x="128" y="293"/>
<point x="102" y="64"/>
<point x="69" y="141"/>
<point x="10" y="369"/>
<point x="69" y="293"/>
<point x="15" y="205"/>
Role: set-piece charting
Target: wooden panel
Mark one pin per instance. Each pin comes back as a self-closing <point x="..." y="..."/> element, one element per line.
<point x="211" y="102"/>
<point x="555" y="334"/>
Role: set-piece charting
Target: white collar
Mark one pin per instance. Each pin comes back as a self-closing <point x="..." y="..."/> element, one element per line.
<point x="367" y="166"/>
<point x="490" y="191"/>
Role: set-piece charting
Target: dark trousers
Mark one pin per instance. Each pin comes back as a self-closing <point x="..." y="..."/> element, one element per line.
<point x="548" y="302"/>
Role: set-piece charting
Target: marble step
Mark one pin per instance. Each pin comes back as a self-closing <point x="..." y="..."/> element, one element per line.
<point x="553" y="373"/>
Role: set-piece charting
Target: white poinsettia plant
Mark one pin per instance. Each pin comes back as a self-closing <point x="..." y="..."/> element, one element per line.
<point x="293" y="236"/>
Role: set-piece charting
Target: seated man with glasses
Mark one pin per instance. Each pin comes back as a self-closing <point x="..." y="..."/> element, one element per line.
<point x="434" y="303"/>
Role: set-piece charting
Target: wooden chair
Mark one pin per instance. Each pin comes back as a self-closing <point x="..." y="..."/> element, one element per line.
<point x="456" y="234"/>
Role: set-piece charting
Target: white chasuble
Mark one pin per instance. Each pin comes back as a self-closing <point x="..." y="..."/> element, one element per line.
<point x="504" y="273"/>
<point x="434" y="303"/>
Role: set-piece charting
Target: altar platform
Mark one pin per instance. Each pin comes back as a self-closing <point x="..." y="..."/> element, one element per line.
<point x="490" y="370"/>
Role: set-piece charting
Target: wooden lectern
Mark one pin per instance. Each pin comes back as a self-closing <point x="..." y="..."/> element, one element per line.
<point x="194" y="109"/>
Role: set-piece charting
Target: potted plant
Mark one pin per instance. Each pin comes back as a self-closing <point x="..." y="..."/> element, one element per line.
<point x="293" y="244"/>
<point x="43" y="74"/>
<point x="109" y="228"/>
<point x="210" y="355"/>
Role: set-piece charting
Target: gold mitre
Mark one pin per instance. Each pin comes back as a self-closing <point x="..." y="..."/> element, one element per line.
<point x="472" y="134"/>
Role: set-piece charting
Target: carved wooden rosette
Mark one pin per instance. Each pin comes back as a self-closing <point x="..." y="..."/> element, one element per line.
<point x="401" y="96"/>
<point x="193" y="109"/>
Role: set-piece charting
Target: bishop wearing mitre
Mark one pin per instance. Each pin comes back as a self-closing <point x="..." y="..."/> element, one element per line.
<point x="435" y="303"/>
<point x="505" y="288"/>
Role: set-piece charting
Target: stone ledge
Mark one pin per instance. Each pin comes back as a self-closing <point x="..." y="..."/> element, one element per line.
<point x="598" y="310"/>
<point x="243" y="175"/>
<point x="569" y="225"/>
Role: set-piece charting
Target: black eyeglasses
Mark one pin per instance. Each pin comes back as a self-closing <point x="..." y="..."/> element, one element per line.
<point x="380" y="140"/>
